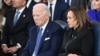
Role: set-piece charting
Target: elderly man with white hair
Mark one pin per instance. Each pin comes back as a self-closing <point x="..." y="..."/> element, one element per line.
<point x="45" y="38"/>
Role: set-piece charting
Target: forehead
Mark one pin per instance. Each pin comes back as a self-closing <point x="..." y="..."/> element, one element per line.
<point x="70" y="12"/>
<point x="38" y="9"/>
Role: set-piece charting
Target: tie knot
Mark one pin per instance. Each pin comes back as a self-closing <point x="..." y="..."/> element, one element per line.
<point x="40" y="29"/>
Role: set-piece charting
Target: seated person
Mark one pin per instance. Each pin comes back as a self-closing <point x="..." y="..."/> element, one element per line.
<point x="94" y="13"/>
<point x="46" y="41"/>
<point x="78" y="40"/>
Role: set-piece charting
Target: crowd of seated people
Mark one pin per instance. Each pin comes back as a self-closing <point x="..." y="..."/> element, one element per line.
<point x="17" y="32"/>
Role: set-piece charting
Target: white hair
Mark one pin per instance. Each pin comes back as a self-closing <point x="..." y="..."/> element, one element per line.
<point x="45" y="7"/>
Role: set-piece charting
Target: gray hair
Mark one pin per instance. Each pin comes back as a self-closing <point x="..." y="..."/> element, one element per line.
<point x="46" y="9"/>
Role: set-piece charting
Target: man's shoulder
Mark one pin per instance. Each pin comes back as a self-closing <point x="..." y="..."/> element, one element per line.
<point x="55" y="26"/>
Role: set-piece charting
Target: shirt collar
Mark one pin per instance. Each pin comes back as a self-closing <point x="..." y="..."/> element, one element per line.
<point x="21" y="10"/>
<point x="44" y="26"/>
<point x="28" y="3"/>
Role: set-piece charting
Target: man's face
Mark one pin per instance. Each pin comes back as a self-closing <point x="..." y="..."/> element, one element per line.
<point x="18" y="3"/>
<point x="39" y="16"/>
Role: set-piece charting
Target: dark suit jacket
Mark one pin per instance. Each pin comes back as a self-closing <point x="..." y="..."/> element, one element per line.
<point x="49" y="47"/>
<point x="31" y="5"/>
<point x="81" y="43"/>
<point x="18" y="33"/>
<point x="60" y="11"/>
<point x="79" y="3"/>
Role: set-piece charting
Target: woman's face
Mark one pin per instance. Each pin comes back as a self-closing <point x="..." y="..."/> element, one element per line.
<point x="96" y="4"/>
<point x="71" y="19"/>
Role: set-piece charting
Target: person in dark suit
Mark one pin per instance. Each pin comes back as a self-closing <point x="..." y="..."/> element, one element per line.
<point x="79" y="39"/>
<point x="7" y="6"/>
<point x="52" y="34"/>
<point x="15" y="32"/>
<point x="30" y="4"/>
<point x="58" y="10"/>
<point x="77" y="3"/>
<point x="94" y="13"/>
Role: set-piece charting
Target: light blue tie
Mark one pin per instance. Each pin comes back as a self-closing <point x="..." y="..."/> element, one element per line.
<point x="39" y="36"/>
<point x="16" y="17"/>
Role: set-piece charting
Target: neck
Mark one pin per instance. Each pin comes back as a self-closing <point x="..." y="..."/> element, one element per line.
<point x="98" y="9"/>
<point x="75" y="27"/>
<point x="20" y="7"/>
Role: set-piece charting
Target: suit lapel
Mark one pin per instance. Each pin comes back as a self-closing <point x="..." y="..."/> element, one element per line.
<point x="46" y="32"/>
<point x="22" y="16"/>
<point x="11" y="18"/>
<point x="33" y="37"/>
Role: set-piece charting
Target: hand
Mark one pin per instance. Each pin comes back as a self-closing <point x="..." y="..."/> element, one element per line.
<point x="72" y="54"/>
<point x="5" y="49"/>
<point x="13" y="49"/>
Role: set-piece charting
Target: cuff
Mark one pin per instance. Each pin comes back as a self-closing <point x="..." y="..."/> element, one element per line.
<point x="18" y="46"/>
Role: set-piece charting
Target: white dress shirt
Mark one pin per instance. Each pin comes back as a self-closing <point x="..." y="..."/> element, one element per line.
<point x="28" y="3"/>
<point x="69" y="2"/>
<point x="20" y="10"/>
<point x="43" y="29"/>
<point x="53" y="7"/>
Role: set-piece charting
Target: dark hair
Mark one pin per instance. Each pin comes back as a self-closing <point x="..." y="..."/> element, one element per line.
<point x="81" y="17"/>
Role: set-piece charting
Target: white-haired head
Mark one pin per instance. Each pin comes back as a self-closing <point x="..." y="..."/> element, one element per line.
<point x="44" y="8"/>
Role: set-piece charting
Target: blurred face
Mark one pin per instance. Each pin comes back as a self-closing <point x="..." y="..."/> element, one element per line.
<point x="7" y="2"/>
<point x="71" y="19"/>
<point x="96" y="4"/>
<point x="39" y="16"/>
<point x="18" y="3"/>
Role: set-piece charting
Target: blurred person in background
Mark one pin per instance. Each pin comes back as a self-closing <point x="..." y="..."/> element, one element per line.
<point x="7" y="5"/>
<point x="2" y="17"/>
<point x="57" y="9"/>
<point x="94" y="13"/>
<point x="15" y="32"/>
<point x="2" y="23"/>
<point x="78" y="40"/>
